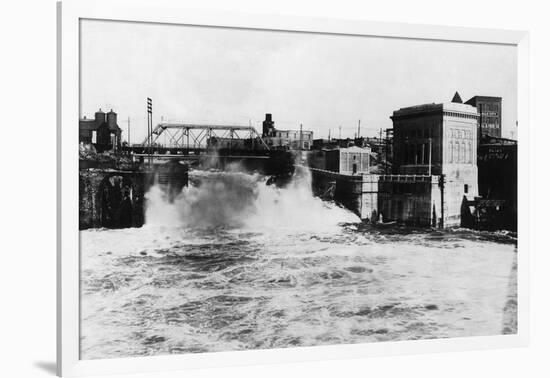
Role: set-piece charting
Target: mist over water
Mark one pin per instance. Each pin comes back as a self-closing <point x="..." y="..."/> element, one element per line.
<point x="236" y="264"/>
<point x="241" y="200"/>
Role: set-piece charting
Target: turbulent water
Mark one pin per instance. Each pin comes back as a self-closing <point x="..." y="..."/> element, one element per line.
<point x="235" y="264"/>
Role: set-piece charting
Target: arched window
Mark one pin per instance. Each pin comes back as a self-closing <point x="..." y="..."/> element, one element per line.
<point x="451" y="153"/>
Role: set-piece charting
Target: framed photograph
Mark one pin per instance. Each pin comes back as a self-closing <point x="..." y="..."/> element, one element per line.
<point x="245" y="188"/>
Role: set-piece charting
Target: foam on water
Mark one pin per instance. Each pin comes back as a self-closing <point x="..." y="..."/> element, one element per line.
<point x="235" y="264"/>
<point x="240" y="200"/>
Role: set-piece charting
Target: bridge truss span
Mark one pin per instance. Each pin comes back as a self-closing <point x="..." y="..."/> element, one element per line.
<point x="186" y="136"/>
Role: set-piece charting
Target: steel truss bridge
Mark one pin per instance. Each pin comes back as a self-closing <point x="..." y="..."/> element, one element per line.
<point x="185" y="139"/>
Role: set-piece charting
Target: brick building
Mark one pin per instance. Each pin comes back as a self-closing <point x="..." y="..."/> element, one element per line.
<point x="490" y="111"/>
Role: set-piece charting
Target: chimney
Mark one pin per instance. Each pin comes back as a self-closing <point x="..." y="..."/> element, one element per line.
<point x="267" y="125"/>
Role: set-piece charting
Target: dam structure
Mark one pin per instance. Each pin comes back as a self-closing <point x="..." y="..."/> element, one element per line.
<point x="433" y="179"/>
<point x="114" y="177"/>
<point x="427" y="176"/>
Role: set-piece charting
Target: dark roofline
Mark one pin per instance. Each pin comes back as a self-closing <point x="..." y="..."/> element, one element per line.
<point x="294" y="130"/>
<point x="483" y="98"/>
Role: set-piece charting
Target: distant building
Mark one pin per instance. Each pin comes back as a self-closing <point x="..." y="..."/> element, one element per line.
<point x="380" y="149"/>
<point x="490" y="111"/>
<point x="319" y="144"/>
<point x="332" y="143"/>
<point x="234" y="143"/>
<point x="102" y="131"/>
<point x="285" y="139"/>
<point x="348" y="161"/>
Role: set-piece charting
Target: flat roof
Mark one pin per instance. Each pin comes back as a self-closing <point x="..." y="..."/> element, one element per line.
<point x="484" y="98"/>
<point x="294" y="131"/>
<point x="433" y="107"/>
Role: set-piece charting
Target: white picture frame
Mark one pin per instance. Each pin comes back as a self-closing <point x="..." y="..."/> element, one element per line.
<point x="70" y="13"/>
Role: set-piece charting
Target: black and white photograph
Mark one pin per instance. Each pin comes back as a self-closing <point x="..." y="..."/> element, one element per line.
<point x="251" y="189"/>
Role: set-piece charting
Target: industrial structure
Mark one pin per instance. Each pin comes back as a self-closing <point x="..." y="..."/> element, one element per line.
<point x="102" y="131"/>
<point x="285" y="139"/>
<point x="428" y="140"/>
<point x="434" y="176"/>
<point x="441" y="165"/>
<point x="349" y="161"/>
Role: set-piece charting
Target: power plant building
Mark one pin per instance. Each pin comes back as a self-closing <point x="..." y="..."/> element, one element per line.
<point x="435" y="165"/>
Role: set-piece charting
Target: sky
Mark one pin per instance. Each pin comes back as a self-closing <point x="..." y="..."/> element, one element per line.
<point x="234" y="76"/>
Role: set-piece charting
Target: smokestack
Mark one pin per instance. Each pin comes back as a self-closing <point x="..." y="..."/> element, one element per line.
<point x="267" y="125"/>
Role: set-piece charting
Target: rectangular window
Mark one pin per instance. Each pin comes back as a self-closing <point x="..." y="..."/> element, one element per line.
<point x="465" y="188"/>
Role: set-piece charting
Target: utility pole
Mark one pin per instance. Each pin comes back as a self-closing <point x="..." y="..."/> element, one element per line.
<point x="150" y="127"/>
<point x="329" y="135"/>
<point x="359" y="129"/>
<point x="129" y="144"/>
<point x="340" y="132"/>
<point x="380" y="143"/>
<point x="386" y="153"/>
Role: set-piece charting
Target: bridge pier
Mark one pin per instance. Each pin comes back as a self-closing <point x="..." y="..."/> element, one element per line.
<point x="172" y="176"/>
<point x="111" y="198"/>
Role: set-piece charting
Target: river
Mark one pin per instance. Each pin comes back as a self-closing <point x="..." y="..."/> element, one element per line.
<point x="235" y="264"/>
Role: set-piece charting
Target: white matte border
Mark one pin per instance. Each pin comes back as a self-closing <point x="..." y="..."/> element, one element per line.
<point x="170" y="11"/>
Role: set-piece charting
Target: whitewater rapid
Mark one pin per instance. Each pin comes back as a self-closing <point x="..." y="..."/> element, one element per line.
<point x="235" y="264"/>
